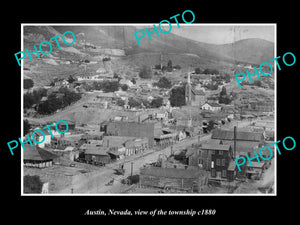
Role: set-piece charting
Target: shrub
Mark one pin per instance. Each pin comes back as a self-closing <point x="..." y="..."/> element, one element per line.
<point x="145" y="72"/>
<point x="28" y="83"/>
<point x="177" y="97"/>
<point x="32" y="184"/>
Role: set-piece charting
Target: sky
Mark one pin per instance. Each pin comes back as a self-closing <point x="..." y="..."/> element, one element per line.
<point x="224" y="34"/>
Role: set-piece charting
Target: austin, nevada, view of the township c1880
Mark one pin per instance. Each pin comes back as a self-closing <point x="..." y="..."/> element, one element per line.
<point x="162" y="116"/>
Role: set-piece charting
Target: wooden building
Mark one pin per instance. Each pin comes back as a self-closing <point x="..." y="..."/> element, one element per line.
<point x="220" y="159"/>
<point x="97" y="155"/>
<point x="35" y="156"/>
<point x="172" y="178"/>
<point x="131" y="129"/>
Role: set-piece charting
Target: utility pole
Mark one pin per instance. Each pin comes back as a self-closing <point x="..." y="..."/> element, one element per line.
<point x="131" y="170"/>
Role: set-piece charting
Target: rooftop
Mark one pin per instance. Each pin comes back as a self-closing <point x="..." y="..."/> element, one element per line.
<point x="240" y="135"/>
<point x="215" y="147"/>
<point x="36" y="153"/>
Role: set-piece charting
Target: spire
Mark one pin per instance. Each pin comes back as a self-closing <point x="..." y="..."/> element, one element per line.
<point x="189" y="79"/>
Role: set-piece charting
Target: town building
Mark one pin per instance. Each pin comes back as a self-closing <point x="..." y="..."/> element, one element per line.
<point x="211" y="106"/>
<point x="97" y="155"/>
<point x="35" y="156"/>
<point x="131" y="129"/>
<point x="70" y="153"/>
<point x="193" y="97"/>
<point x="189" y="180"/>
<point x="246" y="142"/>
<point x="220" y="159"/>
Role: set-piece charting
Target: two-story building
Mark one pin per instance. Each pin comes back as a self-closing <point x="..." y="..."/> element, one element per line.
<point x="220" y="159"/>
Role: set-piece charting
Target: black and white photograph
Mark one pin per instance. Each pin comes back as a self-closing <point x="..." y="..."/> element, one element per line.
<point x="149" y="113"/>
<point x="159" y="116"/>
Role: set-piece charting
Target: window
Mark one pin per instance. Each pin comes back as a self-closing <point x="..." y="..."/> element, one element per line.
<point x="224" y="174"/>
<point x="200" y="154"/>
<point x="223" y="162"/>
<point x="200" y="161"/>
<point x="213" y="152"/>
<point x="218" y="162"/>
<point x="220" y="152"/>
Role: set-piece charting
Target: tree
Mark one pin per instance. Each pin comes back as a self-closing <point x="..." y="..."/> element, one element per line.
<point x="116" y="76"/>
<point x="34" y="97"/>
<point x="32" y="184"/>
<point x="197" y="70"/>
<point x="133" y="80"/>
<point x="26" y="126"/>
<point x="227" y="78"/>
<point x="158" y="66"/>
<point x="169" y="65"/>
<point x="211" y="125"/>
<point x="28" y="83"/>
<point x="56" y="101"/>
<point x="132" y="102"/>
<point x="257" y="83"/>
<point x="177" y="97"/>
<point x="120" y="102"/>
<point x="156" y="102"/>
<point x="145" y="72"/>
<point x="178" y="67"/>
<point x="223" y="97"/>
<point x="210" y="71"/>
<point x="223" y="91"/>
<point x="71" y="79"/>
<point x="124" y="87"/>
<point x="163" y="83"/>
<point x="110" y="86"/>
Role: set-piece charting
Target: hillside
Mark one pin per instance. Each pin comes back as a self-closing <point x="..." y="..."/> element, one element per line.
<point x="248" y="50"/>
<point x="95" y="42"/>
<point x="252" y="50"/>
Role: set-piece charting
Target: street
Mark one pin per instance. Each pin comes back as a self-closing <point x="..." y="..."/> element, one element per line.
<point x="96" y="182"/>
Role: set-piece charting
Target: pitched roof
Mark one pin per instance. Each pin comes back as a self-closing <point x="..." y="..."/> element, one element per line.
<point x="243" y="146"/>
<point x="232" y="165"/>
<point x="97" y="151"/>
<point x="36" y="153"/>
<point x="240" y="135"/>
<point x="171" y="172"/>
<point x="198" y="92"/>
<point x="213" y="104"/>
<point x="255" y="164"/>
<point x="216" y="147"/>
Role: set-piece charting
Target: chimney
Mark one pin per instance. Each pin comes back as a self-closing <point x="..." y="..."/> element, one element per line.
<point x="234" y="142"/>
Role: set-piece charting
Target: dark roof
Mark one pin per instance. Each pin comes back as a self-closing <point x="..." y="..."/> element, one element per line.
<point x="96" y="151"/>
<point x="243" y="146"/>
<point x="36" y="153"/>
<point x="216" y="147"/>
<point x="198" y="92"/>
<point x="171" y="172"/>
<point x="240" y="135"/>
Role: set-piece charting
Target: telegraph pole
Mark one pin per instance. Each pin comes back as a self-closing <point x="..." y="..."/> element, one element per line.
<point x="131" y="170"/>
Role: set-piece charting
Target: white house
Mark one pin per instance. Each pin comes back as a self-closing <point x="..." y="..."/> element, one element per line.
<point x="38" y="136"/>
<point x="127" y="82"/>
<point x="211" y="106"/>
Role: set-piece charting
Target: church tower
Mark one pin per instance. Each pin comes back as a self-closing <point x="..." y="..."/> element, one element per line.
<point x="188" y="91"/>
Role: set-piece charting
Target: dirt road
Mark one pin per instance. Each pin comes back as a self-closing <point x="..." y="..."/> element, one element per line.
<point x="95" y="182"/>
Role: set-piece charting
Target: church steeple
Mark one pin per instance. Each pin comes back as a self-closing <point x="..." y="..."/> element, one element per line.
<point x="188" y="90"/>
